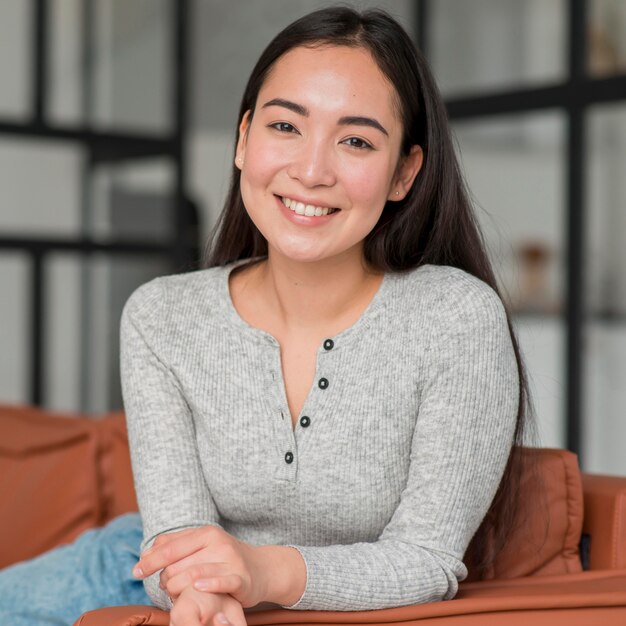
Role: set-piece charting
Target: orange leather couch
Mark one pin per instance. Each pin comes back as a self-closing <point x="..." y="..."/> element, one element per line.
<point x="60" y="475"/>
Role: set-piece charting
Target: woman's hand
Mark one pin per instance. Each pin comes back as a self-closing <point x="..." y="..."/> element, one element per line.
<point x="211" y="559"/>
<point x="195" y="608"/>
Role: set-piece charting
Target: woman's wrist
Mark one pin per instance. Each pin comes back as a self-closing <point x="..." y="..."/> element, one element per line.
<point x="284" y="573"/>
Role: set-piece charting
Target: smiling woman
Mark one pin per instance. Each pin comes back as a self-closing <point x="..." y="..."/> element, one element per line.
<point x="324" y="418"/>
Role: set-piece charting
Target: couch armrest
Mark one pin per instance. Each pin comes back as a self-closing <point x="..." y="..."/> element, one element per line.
<point x="605" y="520"/>
<point x="124" y="616"/>
<point x="565" y="600"/>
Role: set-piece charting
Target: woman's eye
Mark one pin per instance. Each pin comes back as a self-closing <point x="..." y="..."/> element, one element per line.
<point x="355" y="142"/>
<point x="284" y="127"/>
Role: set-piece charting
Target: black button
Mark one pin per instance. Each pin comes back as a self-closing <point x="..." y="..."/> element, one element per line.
<point x="305" y="421"/>
<point x="329" y="344"/>
<point x="322" y="383"/>
<point x="289" y="457"/>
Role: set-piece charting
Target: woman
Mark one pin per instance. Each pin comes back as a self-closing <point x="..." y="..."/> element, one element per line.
<point x="323" y="418"/>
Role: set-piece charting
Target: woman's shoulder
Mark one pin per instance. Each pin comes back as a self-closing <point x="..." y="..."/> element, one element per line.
<point x="448" y="292"/>
<point x="179" y="295"/>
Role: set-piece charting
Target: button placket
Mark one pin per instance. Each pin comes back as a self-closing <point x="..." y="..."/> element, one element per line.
<point x="286" y="467"/>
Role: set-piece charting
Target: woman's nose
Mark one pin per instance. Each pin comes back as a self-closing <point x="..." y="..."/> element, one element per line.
<point x="312" y="165"/>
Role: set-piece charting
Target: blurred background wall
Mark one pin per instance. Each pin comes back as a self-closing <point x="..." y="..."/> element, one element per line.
<point x="117" y="125"/>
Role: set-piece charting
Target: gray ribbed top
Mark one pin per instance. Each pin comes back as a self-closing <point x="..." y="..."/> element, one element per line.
<point x="404" y="449"/>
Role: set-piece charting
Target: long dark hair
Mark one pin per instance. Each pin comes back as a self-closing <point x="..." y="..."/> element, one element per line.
<point x="435" y="222"/>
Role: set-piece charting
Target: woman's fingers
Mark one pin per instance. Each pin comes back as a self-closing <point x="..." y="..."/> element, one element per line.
<point x="186" y="578"/>
<point x="188" y="564"/>
<point x="183" y="544"/>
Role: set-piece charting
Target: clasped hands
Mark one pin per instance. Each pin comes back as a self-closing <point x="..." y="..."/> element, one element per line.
<point x="211" y="576"/>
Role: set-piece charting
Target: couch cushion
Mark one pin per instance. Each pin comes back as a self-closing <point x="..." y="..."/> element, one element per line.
<point x="48" y="481"/>
<point x="546" y="539"/>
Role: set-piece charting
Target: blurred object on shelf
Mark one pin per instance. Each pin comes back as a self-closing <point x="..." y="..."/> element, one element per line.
<point x="606" y="35"/>
<point x="534" y="295"/>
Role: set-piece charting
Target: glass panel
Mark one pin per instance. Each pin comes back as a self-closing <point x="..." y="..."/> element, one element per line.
<point x="15" y="60"/>
<point x="15" y="327"/>
<point x="85" y="300"/>
<point x="605" y="367"/>
<point x="607" y="37"/>
<point x="39" y="188"/>
<point x="65" y="61"/>
<point x="133" y="64"/>
<point x="515" y="170"/>
<point x="479" y="45"/>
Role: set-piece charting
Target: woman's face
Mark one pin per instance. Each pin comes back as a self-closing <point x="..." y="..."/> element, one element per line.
<point x="321" y="155"/>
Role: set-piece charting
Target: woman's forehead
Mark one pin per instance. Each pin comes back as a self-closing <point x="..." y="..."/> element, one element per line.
<point x="330" y="76"/>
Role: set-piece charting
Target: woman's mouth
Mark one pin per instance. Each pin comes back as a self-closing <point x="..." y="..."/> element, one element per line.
<point x="307" y="209"/>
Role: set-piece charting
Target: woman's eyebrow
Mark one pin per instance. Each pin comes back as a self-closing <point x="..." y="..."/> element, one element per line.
<point x="348" y="120"/>
<point x="288" y="104"/>
<point x="358" y="120"/>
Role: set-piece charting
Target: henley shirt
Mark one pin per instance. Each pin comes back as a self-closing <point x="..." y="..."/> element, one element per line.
<point x="392" y="463"/>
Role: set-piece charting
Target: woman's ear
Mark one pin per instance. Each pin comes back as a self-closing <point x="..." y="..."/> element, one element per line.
<point x="408" y="169"/>
<point x="240" y="152"/>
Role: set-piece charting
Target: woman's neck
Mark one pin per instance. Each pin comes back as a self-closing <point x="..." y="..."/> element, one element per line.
<point x="324" y="294"/>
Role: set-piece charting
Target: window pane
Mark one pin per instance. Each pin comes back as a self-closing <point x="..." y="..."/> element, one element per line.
<point x="65" y="61"/>
<point x="133" y="65"/>
<point x="479" y="45"/>
<point x="607" y="37"/>
<point x="514" y="168"/>
<point x="15" y="60"/>
<point x="63" y="333"/>
<point x="39" y="188"/>
<point x="605" y="367"/>
<point x="15" y="327"/>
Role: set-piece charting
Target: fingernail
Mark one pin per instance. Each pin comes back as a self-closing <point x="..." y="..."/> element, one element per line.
<point x="222" y="619"/>
<point x="137" y="572"/>
<point x="202" y="585"/>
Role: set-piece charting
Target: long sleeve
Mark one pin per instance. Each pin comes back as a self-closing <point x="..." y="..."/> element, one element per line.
<point x="170" y="485"/>
<point x="462" y="438"/>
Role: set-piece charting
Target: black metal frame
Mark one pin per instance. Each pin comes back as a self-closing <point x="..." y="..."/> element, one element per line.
<point x="573" y="97"/>
<point x="101" y="147"/>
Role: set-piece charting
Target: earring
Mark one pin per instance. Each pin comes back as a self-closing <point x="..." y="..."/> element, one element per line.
<point x="397" y="193"/>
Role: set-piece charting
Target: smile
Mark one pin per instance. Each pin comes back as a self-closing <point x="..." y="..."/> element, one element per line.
<point x="306" y="209"/>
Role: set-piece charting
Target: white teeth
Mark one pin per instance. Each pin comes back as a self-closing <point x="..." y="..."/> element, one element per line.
<point x="305" y="209"/>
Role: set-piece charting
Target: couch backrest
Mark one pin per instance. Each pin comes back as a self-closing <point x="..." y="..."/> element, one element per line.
<point x="59" y="476"/>
<point x="547" y="535"/>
